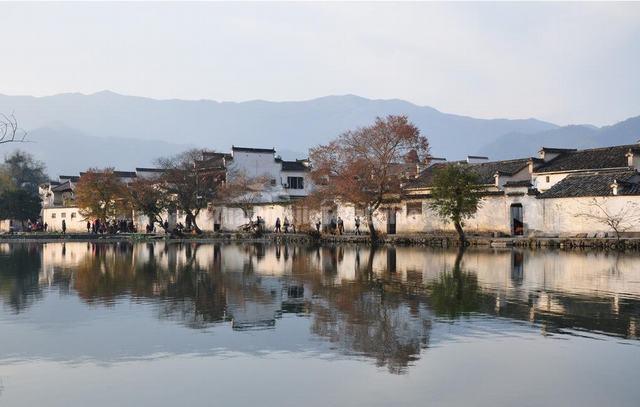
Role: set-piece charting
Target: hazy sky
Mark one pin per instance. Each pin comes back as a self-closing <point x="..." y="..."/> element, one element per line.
<point x="568" y="63"/>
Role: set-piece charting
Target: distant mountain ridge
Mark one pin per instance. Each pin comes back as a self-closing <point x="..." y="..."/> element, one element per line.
<point x="513" y="145"/>
<point x="107" y="128"/>
<point x="293" y="126"/>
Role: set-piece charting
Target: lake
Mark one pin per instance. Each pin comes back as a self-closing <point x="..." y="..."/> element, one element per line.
<point x="173" y="324"/>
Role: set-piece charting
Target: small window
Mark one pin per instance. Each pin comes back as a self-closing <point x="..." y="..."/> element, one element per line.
<point x="414" y="208"/>
<point x="547" y="178"/>
<point x="295" y="182"/>
<point x="359" y="211"/>
<point x="63" y="215"/>
<point x="53" y="215"/>
<point x="273" y="182"/>
<point x="73" y="215"/>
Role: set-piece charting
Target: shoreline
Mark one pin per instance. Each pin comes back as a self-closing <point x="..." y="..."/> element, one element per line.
<point x="425" y="240"/>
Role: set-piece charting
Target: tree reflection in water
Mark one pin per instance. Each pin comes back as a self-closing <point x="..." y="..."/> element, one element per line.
<point x="19" y="276"/>
<point x="455" y="292"/>
<point x="373" y="303"/>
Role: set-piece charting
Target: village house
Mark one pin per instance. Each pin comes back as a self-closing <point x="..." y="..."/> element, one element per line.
<point x="288" y="181"/>
<point x="559" y="193"/>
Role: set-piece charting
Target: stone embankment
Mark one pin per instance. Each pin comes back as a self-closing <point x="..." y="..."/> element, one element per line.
<point x="428" y="240"/>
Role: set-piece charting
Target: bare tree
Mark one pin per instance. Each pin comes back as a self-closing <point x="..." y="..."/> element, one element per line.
<point x="10" y="132"/>
<point x="191" y="182"/>
<point x="245" y="192"/>
<point x="619" y="220"/>
<point x="364" y="165"/>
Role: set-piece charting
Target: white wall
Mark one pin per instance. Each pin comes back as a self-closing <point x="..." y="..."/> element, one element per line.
<point x="255" y="164"/>
<point x="539" y="180"/>
<point x="54" y="216"/>
<point x="308" y="186"/>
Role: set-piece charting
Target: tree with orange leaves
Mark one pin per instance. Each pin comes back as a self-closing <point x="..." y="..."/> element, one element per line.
<point x="100" y="194"/>
<point x="365" y="165"/>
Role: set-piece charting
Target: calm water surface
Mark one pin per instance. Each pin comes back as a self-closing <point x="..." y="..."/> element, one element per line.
<point x="275" y="325"/>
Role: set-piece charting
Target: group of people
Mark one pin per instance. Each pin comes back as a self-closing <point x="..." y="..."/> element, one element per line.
<point x="37" y="226"/>
<point x="111" y="227"/>
<point x="336" y="226"/>
<point x="284" y="226"/>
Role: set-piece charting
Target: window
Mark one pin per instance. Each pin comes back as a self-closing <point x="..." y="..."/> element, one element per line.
<point x="73" y="215"/>
<point x="295" y="182"/>
<point x="63" y="215"/>
<point x="53" y="215"/>
<point x="414" y="208"/>
<point x="273" y="182"/>
<point x="547" y="178"/>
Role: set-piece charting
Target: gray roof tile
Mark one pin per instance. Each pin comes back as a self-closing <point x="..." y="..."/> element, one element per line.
<point x="594" y="184"/>
<point x="593" y="158"/>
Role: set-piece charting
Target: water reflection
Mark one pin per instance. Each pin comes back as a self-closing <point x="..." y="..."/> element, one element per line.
<point x="380" y="304"/>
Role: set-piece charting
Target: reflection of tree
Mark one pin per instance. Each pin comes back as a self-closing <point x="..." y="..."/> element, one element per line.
<point x="19" y="270"/>
<point x="455" y="292"/>
<point x="188" y="293"/>
<point x="369" y="318"/>
<point x="360" y="321"/>
<point x="376" y="314"/>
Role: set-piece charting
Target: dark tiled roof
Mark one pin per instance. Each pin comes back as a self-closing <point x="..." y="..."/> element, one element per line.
<point x="294" y="166"/>
<point x="557" y="150"/>
<point x="485" y="171"/>
<point x="149" y="169"/>
<point x="253" y="150"/>
<point x="72" y="178"/>
<point x="121" y="174"/>
<point x="593" y="158"/>
<point x="66" y="186"/>
<point x="125" y="174"/>
<point x="210" y="154"/>
<point x="525" y="183"/>
<point x="594" y="184"/>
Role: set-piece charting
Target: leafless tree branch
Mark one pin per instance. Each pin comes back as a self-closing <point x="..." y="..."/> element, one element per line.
<point x="10" y="132"/>
<point x="619" y="221"/>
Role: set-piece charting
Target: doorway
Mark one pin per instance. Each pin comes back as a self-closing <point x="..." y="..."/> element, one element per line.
<point x="517" y="224"/>
<point x="391" y="221"/>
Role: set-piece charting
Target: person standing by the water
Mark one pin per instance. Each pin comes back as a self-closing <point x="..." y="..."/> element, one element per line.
<point x="88" y="226"/>
<point x="64" y="226"/>
<point x="318" y="223"/>
<point x="357" y="225"/>
<point x="286" y="225"/>
<point x="333" y="225"/>
<point x="340" y="226"/>
<point x="278" y="225"/>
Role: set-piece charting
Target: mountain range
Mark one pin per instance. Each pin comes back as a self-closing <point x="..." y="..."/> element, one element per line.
<point x="71" y="132"/>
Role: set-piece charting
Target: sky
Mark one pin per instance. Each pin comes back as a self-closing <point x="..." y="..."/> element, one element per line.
<point x="562" y="62"/>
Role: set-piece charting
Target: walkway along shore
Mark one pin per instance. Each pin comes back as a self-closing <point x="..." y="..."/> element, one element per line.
<point x="430" y="240"/>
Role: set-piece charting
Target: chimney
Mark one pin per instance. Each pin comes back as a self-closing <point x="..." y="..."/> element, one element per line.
<point x="614" y="187"/>
<point x="632" y="159"/>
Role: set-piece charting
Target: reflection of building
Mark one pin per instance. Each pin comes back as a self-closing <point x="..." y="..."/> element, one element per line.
<point x="253" y="301"/>
<point x="365" y="302"/>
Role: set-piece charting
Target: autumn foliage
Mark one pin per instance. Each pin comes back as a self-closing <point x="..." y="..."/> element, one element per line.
<point x="100" y="194"/>
<point x="365" y="165"/>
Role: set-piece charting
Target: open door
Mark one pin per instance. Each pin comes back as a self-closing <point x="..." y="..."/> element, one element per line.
<point x="517" y="224"/>
<point x="391" y="221"/>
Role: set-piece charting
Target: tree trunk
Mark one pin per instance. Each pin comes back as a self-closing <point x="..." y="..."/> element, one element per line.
<point x="193" y="222"/>
<point x="461" y="236"/>
<point x="372" y="230"/>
